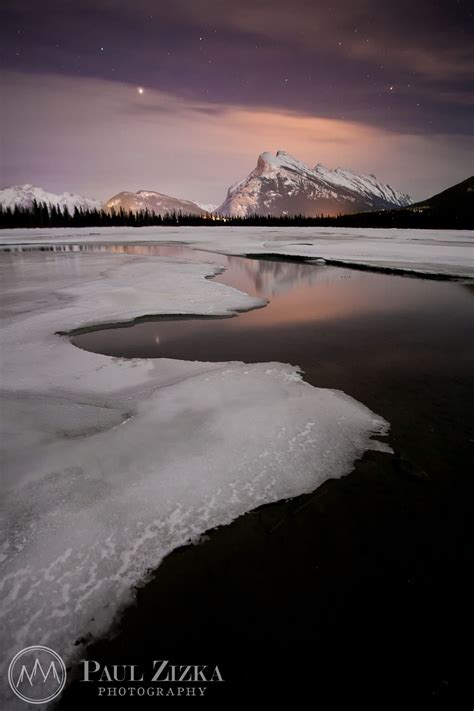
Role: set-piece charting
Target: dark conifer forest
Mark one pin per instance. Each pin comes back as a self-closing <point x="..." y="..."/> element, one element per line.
<point x="40" y="215"/>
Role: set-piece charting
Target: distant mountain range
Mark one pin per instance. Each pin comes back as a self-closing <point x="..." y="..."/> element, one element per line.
<point x="25" y="195"/>
<point x="282" y="185"/>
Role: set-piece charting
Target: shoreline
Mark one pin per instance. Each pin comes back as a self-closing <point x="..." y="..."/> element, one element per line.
<point x="361" y="266"/>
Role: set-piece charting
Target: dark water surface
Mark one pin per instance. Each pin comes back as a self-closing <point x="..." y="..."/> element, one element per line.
<point x="397" y="344"/>
<point x="360" y="593"/>
<point x="355" y="329"/>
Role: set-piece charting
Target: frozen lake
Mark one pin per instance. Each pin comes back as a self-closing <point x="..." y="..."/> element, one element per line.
<point x="147" y="435"/>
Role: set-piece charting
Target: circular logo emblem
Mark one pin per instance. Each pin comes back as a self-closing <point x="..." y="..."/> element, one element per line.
<point x="37" y="674"/>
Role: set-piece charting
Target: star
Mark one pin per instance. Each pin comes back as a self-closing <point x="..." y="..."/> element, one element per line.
<point x="141" y="90"/>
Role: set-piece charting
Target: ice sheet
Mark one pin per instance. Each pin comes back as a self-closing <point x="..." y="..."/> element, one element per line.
<point x="439" y="252"/>
<point x="110" y="464"/>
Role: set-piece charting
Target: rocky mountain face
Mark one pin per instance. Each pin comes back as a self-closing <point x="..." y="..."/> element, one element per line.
<point x="153" y="202"/>
<point x="282" y="185"/>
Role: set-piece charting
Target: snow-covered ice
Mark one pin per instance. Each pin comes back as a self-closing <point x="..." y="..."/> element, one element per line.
<point x="110" y="464"/>
<point x="449" y="253"/>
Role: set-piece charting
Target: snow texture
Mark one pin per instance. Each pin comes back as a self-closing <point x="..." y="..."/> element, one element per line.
<point x="110" y="464"/>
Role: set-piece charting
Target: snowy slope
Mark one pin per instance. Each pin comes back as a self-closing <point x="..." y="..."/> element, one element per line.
<point x="281" y="184"/>
<point x="153" y="202"/>
<point x="25" y="195"/>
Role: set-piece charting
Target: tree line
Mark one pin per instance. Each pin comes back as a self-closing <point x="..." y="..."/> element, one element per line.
<point x="43" y="215"/>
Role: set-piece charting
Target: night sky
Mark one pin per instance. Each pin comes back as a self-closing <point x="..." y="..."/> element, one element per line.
<point x="181" y="96"/>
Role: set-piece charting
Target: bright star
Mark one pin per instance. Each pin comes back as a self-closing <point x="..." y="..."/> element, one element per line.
<point x="140" y="90"/>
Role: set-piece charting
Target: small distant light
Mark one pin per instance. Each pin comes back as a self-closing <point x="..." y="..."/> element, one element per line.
<point x="141" y="90"/>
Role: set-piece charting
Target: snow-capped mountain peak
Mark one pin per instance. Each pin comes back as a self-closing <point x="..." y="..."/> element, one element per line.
<point x="269" y="164"/>
<point x="281" y="184"/>
<point x="25" y="195"/>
